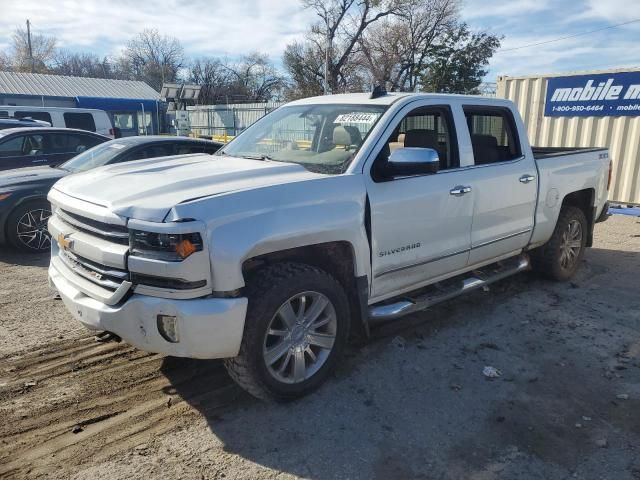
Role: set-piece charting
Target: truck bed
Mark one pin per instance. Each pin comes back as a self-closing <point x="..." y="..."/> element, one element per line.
<point x="546" y="152"/>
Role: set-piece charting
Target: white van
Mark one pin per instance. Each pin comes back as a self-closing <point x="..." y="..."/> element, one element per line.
<point x="82" y="118"/>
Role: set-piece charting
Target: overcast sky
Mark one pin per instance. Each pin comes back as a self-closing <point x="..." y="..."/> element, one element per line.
<point x="231" y="28"/>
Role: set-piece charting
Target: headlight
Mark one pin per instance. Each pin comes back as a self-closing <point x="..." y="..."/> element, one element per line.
<point x="172" y="247"/>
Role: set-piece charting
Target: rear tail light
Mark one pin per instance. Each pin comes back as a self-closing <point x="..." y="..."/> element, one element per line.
<point x="115" y="132"/>
<point x="610" y="171"/>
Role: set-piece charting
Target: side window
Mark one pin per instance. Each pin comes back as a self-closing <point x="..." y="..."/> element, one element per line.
<point x="493" y="135"/>
<point x="70" y="142"/>
<point x="186" y="148"/>
<point x="82" y="121"/>
<point x="34" y="145"/>
<point x="44" y="116"/>
<point x="151" y="151"/>
<point x="123" y="121"/>
<point x="12" y="147"/>
<point x="211" y="149"/>
<point x="425" y="127"/>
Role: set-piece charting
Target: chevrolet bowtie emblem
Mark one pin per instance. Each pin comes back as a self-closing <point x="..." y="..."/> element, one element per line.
<point x="64" y="242"/>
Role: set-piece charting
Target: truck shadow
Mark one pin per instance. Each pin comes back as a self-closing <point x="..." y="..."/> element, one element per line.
<point x="411" y="402"/>
<point x="14" y="257"/>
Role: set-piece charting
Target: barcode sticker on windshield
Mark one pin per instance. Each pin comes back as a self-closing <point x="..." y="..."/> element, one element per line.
<point x="356" y="118"/>
<point x="117" y="146"/>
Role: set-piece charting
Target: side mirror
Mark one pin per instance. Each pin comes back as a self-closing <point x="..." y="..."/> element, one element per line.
<point x="412" y="161"/>
<point x="35" y="152"/>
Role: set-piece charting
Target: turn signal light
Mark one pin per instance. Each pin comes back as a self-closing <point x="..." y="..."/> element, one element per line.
<point x="185" y="248"/>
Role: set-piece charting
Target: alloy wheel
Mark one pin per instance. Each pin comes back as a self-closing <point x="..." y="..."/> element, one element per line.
<point x="32" y="229"/>
<point x="300" y="337"/>
<point x="571" y="244"/>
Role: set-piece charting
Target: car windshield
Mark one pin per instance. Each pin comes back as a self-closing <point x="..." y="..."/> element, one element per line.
<point x="94" y="157"/>
<point x="321" y="138"/>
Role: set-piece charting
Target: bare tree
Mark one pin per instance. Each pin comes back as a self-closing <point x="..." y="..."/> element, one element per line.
<point x="82" y="65"/>
<point x="153" y="58"/>
<point x="42" y="46"/>
<point x="336" y="35"/>
<point x="253" y="78"/>
<point x="256" y="77"/>
<point x="5" y="62"/>
<point x="396" y="50"/>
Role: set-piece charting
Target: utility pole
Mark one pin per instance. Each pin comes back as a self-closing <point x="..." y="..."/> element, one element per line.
<point x="326" y="63"/>
<point x="29" y="44"/>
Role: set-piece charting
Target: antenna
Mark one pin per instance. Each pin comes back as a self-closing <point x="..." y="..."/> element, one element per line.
<point x="378" y="91"/>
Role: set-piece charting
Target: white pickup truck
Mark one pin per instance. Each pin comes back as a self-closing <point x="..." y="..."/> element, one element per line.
<point x="325" y="217"/>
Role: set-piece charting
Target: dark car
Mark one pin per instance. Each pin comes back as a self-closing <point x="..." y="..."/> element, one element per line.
<point x="30" y="146"/>
<point x="24" y="209"/>
<point x="12" y="122"/>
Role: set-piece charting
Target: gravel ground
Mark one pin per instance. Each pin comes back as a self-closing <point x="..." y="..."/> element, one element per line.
<point x="413" y="403"/>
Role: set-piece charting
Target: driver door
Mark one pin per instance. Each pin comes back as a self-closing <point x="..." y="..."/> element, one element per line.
<point x="420" y="225"/>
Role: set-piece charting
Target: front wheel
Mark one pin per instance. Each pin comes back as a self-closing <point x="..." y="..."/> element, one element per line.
<point x="296" y="329"/>
<point x="559" y="258"/>
<point x="27" y="227"/>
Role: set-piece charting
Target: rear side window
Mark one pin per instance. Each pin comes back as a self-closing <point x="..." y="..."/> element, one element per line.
<point x="44" y="116"/>
<point x="81" y="121"/>
<point x="493" y="135"/>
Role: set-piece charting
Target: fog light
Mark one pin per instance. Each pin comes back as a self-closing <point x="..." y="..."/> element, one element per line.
<point x="168" y="328"/>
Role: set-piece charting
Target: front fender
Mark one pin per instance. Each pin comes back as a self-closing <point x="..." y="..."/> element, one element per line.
<point x="244" y="224"/>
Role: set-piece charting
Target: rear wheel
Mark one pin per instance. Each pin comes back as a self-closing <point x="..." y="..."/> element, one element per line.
<point x="295" y="331"/>
<point x="27" y="227"/>
<point x="559" y="258"/>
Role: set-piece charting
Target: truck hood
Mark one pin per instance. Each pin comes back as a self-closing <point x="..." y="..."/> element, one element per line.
<point x="148" y="189"/>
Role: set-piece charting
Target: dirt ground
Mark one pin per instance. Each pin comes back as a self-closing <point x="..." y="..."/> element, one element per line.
<point x="413" y="403"/>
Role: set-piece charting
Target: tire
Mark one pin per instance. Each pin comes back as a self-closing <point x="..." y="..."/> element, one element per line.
<point x="27" y="227"/>
<point x="278" y="339"/>
<point x="560" y="257"/>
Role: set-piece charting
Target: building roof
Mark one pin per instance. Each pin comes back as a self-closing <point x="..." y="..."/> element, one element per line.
<point x="63" y="86"/>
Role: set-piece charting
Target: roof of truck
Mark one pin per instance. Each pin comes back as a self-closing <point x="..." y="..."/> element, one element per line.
<point x="386" y="99"/>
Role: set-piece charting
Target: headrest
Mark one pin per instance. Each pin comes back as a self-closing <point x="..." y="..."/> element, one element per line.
<point x="341" y="136"/>
<point x="356" y="136"/>
<point x="422" y="138"/>
<point x="484" y="140"/>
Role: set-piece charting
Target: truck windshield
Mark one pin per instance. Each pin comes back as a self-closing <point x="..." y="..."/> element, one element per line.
<point x="321" y="138"/>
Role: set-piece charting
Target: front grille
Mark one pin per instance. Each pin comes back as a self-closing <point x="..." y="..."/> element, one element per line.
<point x="107" y="277"/>
<point x="113" y="233"/>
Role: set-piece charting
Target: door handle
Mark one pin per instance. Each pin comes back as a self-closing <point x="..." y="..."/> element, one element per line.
<point x="459" y="190"/>
<point x="527" y="178"/>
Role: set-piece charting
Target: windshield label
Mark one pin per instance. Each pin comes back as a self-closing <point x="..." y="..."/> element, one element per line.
<point x="356" y="118"/>
<point x="117" y="146"/>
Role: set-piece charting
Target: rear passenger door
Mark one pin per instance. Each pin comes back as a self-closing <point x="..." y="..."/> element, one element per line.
<point x="504" y="180"/>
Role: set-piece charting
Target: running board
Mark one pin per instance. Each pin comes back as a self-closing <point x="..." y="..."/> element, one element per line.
<point x="443" y="291"/>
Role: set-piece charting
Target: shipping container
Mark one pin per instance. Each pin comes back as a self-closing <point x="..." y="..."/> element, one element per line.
<point x="620" y="132"/>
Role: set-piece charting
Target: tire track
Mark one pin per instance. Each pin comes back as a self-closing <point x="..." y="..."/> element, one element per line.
<point x="117" y="395"/>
